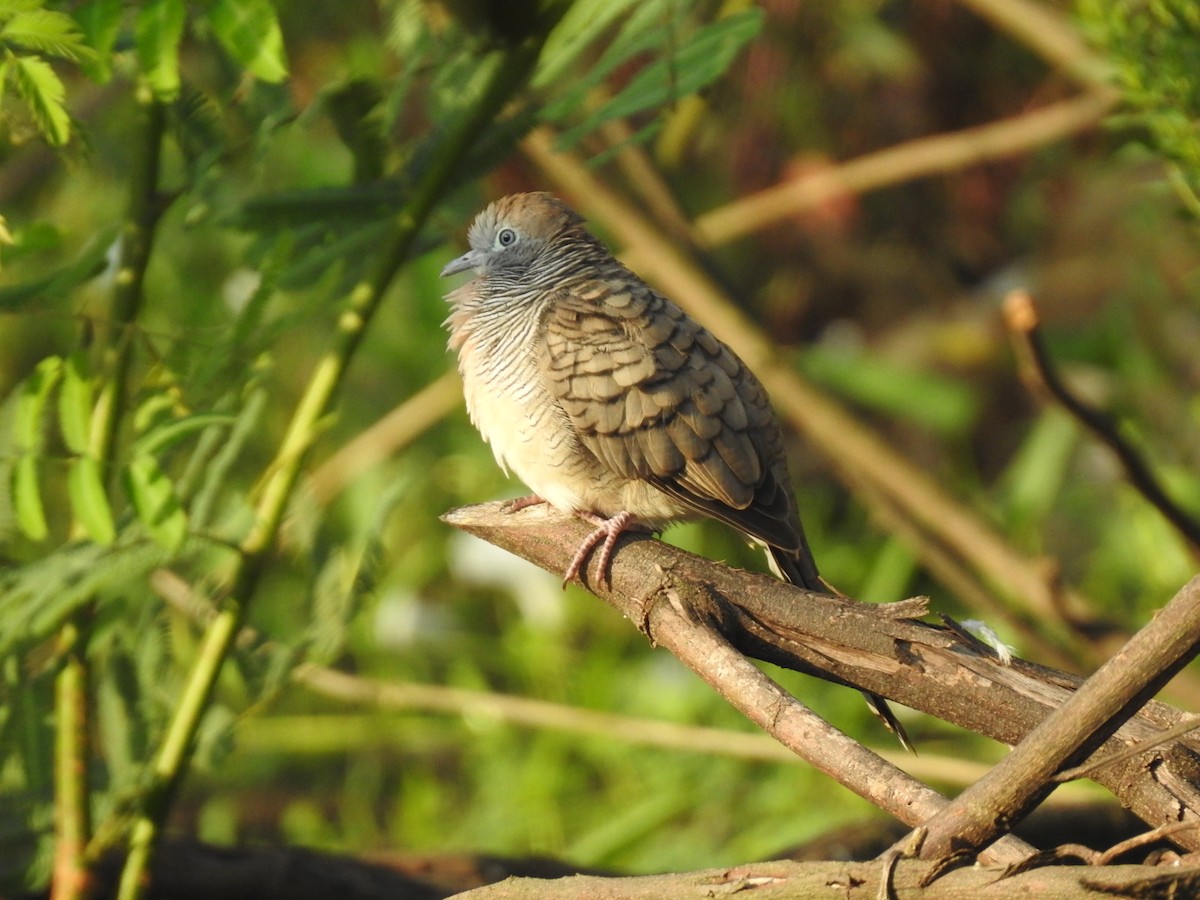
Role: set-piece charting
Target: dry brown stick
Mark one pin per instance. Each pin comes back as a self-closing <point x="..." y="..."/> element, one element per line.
<point x="1073" y="731"/>
<point x="919" y="158"/>
<point x="1021" y="316"/>
<point x="644" y="179"/>
<point x="673" y="613"/>
<point x="870" y="647"/>
<point x="532" y="713"/>
<point x="1153" y="836"/>
<point x="1049" y="34"/>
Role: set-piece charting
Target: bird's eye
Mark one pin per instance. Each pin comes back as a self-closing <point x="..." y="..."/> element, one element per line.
<point x="506" y="238"/>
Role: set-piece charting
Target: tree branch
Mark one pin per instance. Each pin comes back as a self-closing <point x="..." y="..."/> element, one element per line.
<point x="676" y="611"/>
<point x="880" y="649"/>
<point x="785" y="880"/>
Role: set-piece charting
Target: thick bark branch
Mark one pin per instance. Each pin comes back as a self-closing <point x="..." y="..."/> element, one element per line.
<point x="880" y="649"/>
<point x="857" y="881"/>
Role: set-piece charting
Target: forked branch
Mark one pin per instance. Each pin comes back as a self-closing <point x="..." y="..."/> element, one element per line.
<point x="685" y="602"/>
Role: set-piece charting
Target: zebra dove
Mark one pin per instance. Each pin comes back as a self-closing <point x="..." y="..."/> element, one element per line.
<point x="607" y="400"/>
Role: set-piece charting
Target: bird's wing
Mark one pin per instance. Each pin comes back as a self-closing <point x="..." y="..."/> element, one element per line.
<point x="656" y="397"/>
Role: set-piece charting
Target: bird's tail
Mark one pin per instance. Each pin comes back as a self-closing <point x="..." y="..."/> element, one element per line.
<point x="799" y="568"/>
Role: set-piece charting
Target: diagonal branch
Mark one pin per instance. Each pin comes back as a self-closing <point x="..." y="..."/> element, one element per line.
<point x="875" y="648"/>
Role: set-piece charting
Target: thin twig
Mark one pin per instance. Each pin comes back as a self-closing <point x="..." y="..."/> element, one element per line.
<point x="1178" y="730"/>
<point x="1141" y="840"/>
<point x="676" y="625"/>
<point x="400" y="696"/>
<point x="1049" y="34"/>
<point x="1021" y="316"/>
<point x="919" y="158"/>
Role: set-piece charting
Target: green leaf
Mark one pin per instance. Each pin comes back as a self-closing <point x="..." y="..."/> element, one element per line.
<point x="171" y="433"/>
<point x="46" y="31"/>
<point x="89" y="501"/>
<point x="75" y="404"/>
<point x="583" y="23"/>
<point x="249" y="30"/>
<point x="155" y="501"/>
<point x="639" y="34"/>
<point x="157" y="33"/>
<point x="42" y="90"/>
<point x="101" y="23"/>
<point x="27" y="498"/>
<point x="37" y="596"/>
<point x="702" y="60"/>
<point x="27" y="421"/>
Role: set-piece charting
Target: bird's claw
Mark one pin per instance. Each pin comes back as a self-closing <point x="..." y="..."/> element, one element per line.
<point x="607" y="530"/>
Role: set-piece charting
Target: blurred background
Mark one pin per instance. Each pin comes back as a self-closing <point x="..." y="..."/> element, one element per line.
<point x="864" y="181"/>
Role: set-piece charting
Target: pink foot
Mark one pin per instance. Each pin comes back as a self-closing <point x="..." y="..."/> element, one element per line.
<point x="522" y="503"/>
<point x="607" y="530"/>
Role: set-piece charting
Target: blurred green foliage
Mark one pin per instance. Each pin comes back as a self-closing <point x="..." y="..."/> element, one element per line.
<point x="1154" y="46"/>
<point x="277" y="192"/>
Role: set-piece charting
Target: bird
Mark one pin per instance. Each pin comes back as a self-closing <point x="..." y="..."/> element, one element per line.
<point x="608" y="401"/>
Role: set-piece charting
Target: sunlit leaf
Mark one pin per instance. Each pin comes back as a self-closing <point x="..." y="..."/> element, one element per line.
<point x="49" y="32"/>
<point x="75" y="404"/>
<point x="27" y="498"/>
<point x="639" y="34"/>
<point x="85" y="485"/>
<point x="42" y="90"/>
<point x="31" y="404"/>
<point x="583" y="23"/>
<point x="155" y="502"/>
<point x="171" y="433"/>
<point x="703" y="59"/>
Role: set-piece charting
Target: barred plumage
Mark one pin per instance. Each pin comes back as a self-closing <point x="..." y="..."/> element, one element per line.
<point x="605" y="397"/>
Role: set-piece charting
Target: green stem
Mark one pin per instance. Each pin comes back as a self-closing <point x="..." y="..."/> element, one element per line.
<point x="137" y="239"/>
<point x="72" y="795"/>
<point x="72" y="812"/>
<point x="499" y="76"/>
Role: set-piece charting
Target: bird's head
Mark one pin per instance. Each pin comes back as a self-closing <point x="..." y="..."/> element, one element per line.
<point x="512" y="234"/>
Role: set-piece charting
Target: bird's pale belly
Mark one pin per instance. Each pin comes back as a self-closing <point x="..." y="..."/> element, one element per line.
<point x="532" y="438"/>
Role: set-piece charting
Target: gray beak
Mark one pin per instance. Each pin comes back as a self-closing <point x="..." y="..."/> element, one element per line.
<point x="468" y="260"/>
